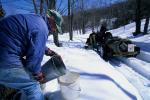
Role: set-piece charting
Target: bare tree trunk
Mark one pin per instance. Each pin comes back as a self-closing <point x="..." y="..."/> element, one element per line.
<point x="80" y="30"/>
<point x="83" y="20"/>
<point x="69" y="19"/>
<point x="47" y="2"/>
<point x="72" y="11"/>
<point x="146" y="24"/>
<point x="83" y="26"/>
<point x="93" y="24"/>
<point x="35" y="7"/>
<point x="138" y="17"/>
<point x="52" y="4"/>
<point x="41" y="6"/>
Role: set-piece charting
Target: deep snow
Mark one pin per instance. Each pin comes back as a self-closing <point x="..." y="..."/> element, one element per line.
<point x="99" y="80"/>
<point x="119" y="78"/>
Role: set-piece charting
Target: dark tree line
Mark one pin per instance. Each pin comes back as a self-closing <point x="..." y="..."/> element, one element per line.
<point x="80" y="17"/>
<point x="125" y="12"/>
<point x="141" y="10"/>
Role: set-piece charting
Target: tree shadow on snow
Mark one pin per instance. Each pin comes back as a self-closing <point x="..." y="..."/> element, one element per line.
<point x="115" y="62"/>
<point x="105" y="77"/>
<point x="132" y="37"/>
<point x="143" y="46"/>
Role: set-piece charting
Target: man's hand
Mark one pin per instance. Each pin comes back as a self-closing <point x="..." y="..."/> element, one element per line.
<point x="39" y="77"/>
<point x="50" y="52"/>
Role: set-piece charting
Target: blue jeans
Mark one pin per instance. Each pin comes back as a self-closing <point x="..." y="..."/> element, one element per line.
<point x="18" y="78"/>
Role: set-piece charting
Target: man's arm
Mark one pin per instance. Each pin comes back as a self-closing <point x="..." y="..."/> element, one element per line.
<point x="35" y="51"/>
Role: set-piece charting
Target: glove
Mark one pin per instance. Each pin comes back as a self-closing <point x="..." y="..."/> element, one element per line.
<point x="39" y="77"/>
<point x="50" y="52"/>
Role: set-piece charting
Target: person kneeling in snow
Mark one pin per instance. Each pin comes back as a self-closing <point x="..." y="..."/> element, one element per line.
<point x="91" y="41"/>
<point x="25" y="35"/>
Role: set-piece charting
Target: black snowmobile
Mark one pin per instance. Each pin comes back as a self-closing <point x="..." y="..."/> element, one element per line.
<point x="108" y="46"/>
<point x="116" y="46"/>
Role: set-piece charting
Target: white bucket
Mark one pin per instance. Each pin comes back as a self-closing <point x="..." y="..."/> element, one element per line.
<point x="69" y="85"/>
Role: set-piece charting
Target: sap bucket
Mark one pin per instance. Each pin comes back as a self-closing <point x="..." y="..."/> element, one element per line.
<point x="53" y="68"/>
<point x="69" y="85"/>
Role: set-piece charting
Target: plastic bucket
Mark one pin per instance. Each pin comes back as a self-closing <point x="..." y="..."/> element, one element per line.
<point x="69" y="85"/>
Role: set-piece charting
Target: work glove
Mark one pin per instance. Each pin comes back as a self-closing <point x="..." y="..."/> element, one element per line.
<point x="50" y="52"/>
<point x="39" y="77"/>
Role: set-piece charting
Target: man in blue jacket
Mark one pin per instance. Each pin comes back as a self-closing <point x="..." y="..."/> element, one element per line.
<point x="24" y="36"/>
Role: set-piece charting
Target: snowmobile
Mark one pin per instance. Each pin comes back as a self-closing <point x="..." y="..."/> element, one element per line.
<point x="116" y="46"/>
<point x="52" y="69"/>
<point x="108" y="46"/>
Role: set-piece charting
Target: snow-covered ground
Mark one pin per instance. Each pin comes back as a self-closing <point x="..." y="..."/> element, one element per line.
<point x="119" y="78"/>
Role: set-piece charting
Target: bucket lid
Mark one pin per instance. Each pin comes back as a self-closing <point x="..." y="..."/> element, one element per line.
<point x="69" y="78"/>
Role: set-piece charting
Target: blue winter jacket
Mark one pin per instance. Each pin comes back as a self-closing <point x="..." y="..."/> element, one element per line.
<point x="22" y="35"/>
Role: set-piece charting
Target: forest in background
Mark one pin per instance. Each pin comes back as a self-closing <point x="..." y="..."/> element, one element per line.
<point x="82" y="15"/>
